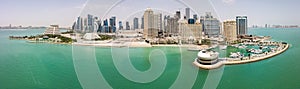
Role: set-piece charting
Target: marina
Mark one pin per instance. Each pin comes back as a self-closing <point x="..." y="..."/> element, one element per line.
<point x="238" y="58"/>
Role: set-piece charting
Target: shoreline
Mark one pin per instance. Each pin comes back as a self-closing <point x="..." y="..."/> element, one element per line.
<point x="222" y="63"/>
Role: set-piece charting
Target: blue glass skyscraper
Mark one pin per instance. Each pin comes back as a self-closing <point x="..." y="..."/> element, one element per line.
<point x="90" y="23"/>
<point x="105" y="26"/>
<point x="120" y="25"/>
<point x="127" y="26"/>
<point x="135" y="23"/>
<point x="112" y="23"/>
<point x="79" y="24"/>
<point x="241" y="25"/>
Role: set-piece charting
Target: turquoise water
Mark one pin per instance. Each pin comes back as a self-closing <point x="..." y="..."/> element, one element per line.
<point x="50" y="66"/>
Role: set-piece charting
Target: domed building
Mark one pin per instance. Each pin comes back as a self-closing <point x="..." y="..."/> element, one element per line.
<point x="207" y="57"/>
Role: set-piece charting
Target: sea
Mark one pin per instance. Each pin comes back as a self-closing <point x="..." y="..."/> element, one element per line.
<point x="25" y="65"/>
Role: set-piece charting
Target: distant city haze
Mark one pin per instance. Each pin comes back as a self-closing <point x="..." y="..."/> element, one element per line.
<point x="65" y="12"/>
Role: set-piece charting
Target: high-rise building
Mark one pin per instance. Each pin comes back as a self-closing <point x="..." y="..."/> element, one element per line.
<point x="242" y="25"/>
<point x="211" y="25"/>
<point x="152" y="24"/>
<point x="171" y="26"/>
<point x="79" y="24"/>
<point x="73" y="26"/>
<point x="195" y="17"/>
<point x="187" y="13"/>
<point x="190" y="33"/>
<point x="202" y="22"/>
<point x="112" y="23"/>
<point x="120" y="25"/>
<point x="127" y="26"/>
<point x="142" y="25"/>
<point x="90" y="23"/>
<point x="158" y="21"/>
<point x="99" y="23"/>
<point x="178" y="15"/>
<point x="85" y="25"/>
<point x="230" y="32"/>
<point x="105" y="26"/>
<point x="135" y="23"/>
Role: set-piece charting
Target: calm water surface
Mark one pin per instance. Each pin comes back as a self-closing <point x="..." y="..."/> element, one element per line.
<point x="50" y="66"/>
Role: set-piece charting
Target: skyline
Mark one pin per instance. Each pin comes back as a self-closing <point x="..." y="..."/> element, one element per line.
<point x="64" y="13"/>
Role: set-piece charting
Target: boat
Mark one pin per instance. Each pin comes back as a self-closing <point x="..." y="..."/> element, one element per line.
<point x="235" y="55"/>
<point x="223" y="47"/>
<point x="255" y="51"/>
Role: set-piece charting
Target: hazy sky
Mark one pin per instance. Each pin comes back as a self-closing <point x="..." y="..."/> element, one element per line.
<point x="64" y="12"/>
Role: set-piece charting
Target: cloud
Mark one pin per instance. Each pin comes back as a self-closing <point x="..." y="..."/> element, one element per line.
<point x="229" y="1"/>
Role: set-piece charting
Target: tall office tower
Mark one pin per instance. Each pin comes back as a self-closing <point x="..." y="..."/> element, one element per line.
<point x="85" y="25"/>
<point x="112" y="23"/>
<point x="230" y="31"/>
<point x="127" y="26"/>
<point x="159" y="21"/>
<point x="178" y="15"/>
<point x="202" y="22"/>
<point x="73" y="26"/>
<point x="99" y="23"/>
<point x="79" y="24"/>
<point x="211" y="26"/>
<point x="105" y="26"/>
<point x="142" y="25"/>
<point x="242" y="25"/>
<point x="120" y="25"/>
<point x="195" y="17"/>
<point x="90" y="23"/>
<point x="187" y="13"/>
<point x="152" y="24"/>
<point x="135" y="23"/>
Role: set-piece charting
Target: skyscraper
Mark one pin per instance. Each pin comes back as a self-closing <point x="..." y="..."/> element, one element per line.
<point x="177" y="15"/>
<point x="127" y="26"/>
<point x="211" y="25"/>
<point x="142" y="25"/>
<point x="112" y="24"/>
<point x="90" y="23"/>
<point x="105" y="26"/>
<point x="187" y="13"/>
<point x="79" y="24"/>
<point x="99" y="23"/>
<point x="152" y="24"/>
<point x="85" y="25"/>
<point x="135" y="23"/>
<point x="120" y="25"/>
<point x="230" y="31"/>
<point x="195" y="17"/>
<point x="242" y="25"/>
